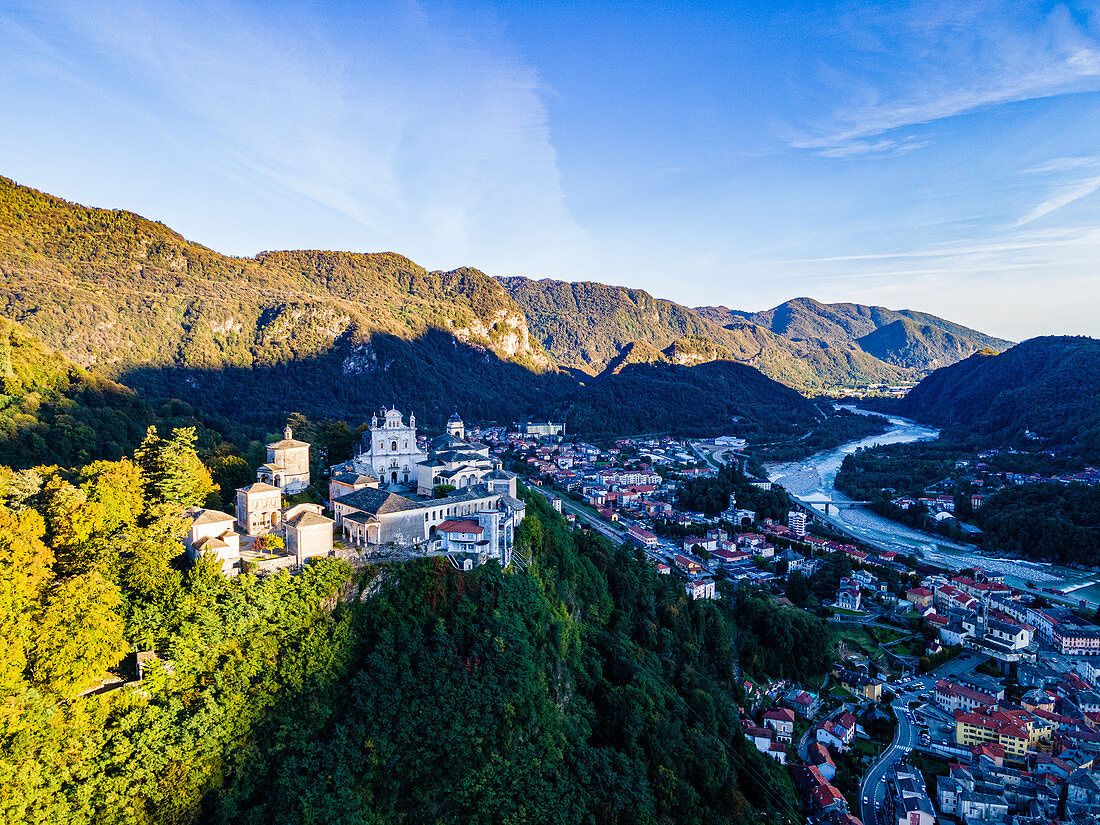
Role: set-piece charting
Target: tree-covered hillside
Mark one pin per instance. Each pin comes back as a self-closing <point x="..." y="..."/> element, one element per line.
<point x="869" y="344"/>
<point x="53" y="412"/>
<point x="584" y="689"/>
<point x="327" y="334"/>
<point x="587" y="325"/>
<point x="1050" y="386"/>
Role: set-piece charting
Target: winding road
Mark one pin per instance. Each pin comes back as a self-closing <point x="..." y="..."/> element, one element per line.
<point x="872" y="790"/>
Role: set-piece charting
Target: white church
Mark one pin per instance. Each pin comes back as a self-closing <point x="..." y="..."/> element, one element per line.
<point x="386" y="492"/>
<point x="389" y="451"/>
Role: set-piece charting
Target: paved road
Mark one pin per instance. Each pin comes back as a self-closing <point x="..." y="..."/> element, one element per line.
<point x="581" y="514"/>
<point x="872" y="790"/>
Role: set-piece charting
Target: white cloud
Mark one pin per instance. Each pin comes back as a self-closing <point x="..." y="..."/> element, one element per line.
<point x="1065" y="196"/>
<point x="437" y="144"/>
<point x="933" y="61"/>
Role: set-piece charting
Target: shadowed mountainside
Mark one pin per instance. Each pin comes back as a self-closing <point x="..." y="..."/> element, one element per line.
<point x="1049" y="385"/>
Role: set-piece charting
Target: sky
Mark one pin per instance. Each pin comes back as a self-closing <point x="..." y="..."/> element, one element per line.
<point x="936" y="156"/>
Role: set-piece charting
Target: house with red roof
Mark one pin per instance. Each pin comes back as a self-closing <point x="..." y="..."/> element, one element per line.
<point x="821" y="759"/>
<point x="781" y="720"/>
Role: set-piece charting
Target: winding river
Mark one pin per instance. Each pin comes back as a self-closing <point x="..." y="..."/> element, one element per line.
<point x="813" y="481"/>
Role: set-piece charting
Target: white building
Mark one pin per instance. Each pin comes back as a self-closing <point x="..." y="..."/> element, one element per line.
<point x="211" y="533"/>
<point x="287" y="464"/>
<point x="796" y="520"/>
<point x="701" y="589"/>
<point x="259" y="508"/>
<point x="388" y="450"/>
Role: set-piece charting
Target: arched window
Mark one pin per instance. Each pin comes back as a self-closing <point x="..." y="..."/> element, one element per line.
<point x="393" y="446"/>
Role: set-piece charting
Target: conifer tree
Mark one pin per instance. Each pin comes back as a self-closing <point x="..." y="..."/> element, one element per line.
<point x="173" y="471"/>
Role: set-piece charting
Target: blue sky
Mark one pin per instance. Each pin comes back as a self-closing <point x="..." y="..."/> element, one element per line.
<point x="936" y="156"/>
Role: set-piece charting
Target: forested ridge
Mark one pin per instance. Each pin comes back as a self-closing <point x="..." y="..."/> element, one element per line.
<point x="586" y="689"/>
<point x="1049" y="386"/>
<point x="332" y="334"/>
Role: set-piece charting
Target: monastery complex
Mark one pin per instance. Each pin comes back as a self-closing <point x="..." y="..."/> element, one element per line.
<point x="399" y="492"/>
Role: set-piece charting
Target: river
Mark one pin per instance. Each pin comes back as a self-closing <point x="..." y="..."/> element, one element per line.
<point x="812" y="481"/>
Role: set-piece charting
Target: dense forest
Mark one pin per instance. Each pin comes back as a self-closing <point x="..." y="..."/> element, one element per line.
<point x="1050" y="386"/>
<point x="1052" y="522"/>
<point x="711" y="495"/>
<point x="585" y="689"/>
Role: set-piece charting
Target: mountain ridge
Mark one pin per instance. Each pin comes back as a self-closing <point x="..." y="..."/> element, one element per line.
<point x="803" y="343"/>
<point x="1049" y="386"/>
<point x="253" y="338"/>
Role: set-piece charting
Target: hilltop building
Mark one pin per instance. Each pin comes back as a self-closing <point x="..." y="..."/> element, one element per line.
<point x="211" y="532"/>
<point x="287" y="464"/>
<point x="259" y="508"/>
<point x="375" y="505"/>
<point x="389" y="450"/>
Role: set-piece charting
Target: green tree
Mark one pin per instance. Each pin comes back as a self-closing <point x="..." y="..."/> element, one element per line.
<point x="173" y="471"/>
<point x="24" y="569"/>
<point x="79" y="635"/>
<point x="797" y="589"/>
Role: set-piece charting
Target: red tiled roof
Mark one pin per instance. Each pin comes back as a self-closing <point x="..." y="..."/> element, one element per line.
<point x="465" y="526"/>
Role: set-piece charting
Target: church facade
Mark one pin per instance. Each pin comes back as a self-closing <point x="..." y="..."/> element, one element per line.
<point x="388" y="450"/>
<point x="376" y="505"/>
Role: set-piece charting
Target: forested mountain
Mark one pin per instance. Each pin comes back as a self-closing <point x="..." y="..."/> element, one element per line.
<point x="1049" y="385"/>
<point x="909" y="341"/>
<point x="586" y="688"/>
<point x="337" y="334"/>
<point x="804" y="344"/>
<point x="911" y="345"/>
<point x="54" y="412"/>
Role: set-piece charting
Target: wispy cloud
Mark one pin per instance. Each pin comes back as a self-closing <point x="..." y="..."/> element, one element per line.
<point x="932" y="61"/>
<point x="1064" y="197"/>
<point x="437" y="144"/>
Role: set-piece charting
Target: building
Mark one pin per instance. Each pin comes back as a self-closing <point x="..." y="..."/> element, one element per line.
<point x="764" y="741"/>
<point x="1017" y="731"/>
<point x="848" y="595"/>
<point x="259" y="509"/>
<point x="345" y="480"/>
<point x="1075" y="638"/>
<point x="642" y="536"/>
<point x="951" y="697"/>
<point x="803" y="702"/>
<point x="541" y="428"/>
<point x="796" y="520"/>
<point x="837" y="732"/>
<point x="389" y="450"/>
<point x="987" y="791"/>
<point x="373" y="517"/>
<point x="821" y="759"/>
<point x="781" y="720"/>
<point x="287" y="464"/>
<point x="919" y="597"/>
<point x="907" y="801"/>
<point x="701" y="589"/>
<point x="211" y="533"/>
<point x="454" y="461"/>
<point x="860" y="684"/>
<point x="308" y="533"/>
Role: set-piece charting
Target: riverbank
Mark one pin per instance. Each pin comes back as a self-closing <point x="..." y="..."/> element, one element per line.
<point x="813" y="482"/>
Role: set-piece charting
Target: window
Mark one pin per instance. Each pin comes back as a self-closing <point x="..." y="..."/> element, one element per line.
<point x="393" y="446"/>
